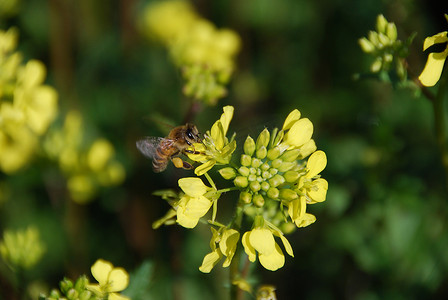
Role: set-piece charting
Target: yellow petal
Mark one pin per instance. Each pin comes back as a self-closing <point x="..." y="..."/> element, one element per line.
<point x="190" y="210"/>
<point x="210" y="260"/>
<point x="193" y="186"/>
<point x="293" y="117"/>
<point x="250" y="251"/>
<point x="287" y="245"/>
<point x="318" y="192"/>
<point x="217" y="135"/>
<point x="115" y="296"/>
<point x="306" y="220"/>
<point x="228" y="244"/>
<point x="316" y="163"/>
<point x="262" y="240"/>
<point x="300" y="133"/>
<point x="204" y="168"/>
<point x="297" y="208"/>
<point x="433" y="68"/>
<point x="435" y="39"/>
<point x="118" y="280"/>
<point x="226" y="117"/>
<point x="273" y="261"/>
<point x="101" y="270"/>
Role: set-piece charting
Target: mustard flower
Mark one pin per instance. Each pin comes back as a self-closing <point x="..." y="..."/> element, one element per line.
<point x="227" y="240"/>
<point x="195" y="203"/>
<point x="22" y="248"/>
<point x="436" y="60"/>
<point x="27" y="106"/>
<point x="261" y="240"/>
<point x="216" y="147"/>
<point x="110" y="280"/>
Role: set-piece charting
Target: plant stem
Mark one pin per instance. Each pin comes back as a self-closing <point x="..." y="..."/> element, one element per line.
<point x="235" y="265"/>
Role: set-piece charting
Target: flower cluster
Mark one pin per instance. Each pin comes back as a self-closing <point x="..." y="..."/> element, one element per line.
<point x="387" y="50"/>
<point x="275" y="181"/>
<point x="205" y="54"/>
<point x="21" y="249"/>
<point x="86" y="167"/>
<point x="110" y="281"/>
<point x="27" y="106"/>
<point x="436" y="60"/>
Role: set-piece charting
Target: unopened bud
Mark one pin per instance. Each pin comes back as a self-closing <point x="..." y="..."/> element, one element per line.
<point x="265" y="186"/>
<point x="246" y="197"/>
<point x="286" y="166"/>
<point x="291" y="176"/>
<point x="273" y="193"/>
<point x="391" y="32"/>
<point x="263" y="139"/>
<point x="72" y="294"/>
<point x="246" y="160"/>
<point x="262" y="152"/>
<point x="273" y="153"/>
<point x="290" y="155"/>
<point x="258" y="200"/>
<point x="255" y="186"/>
<point x="288" y="194"/>
<point x="249" y="146"/>
<point x="227" y="173"/>
<point x="381" y="24"/>
<point x="244" y="171"/>
<point x="366" y="45"/>
<point x="241" y="181"/>
<point x="66" y="285"/>
<point x="277" y="163"/>
<point x="256" y="162"/>
<point x="276" y="180"/>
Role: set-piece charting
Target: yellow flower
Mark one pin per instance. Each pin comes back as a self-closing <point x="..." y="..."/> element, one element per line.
<point x="227" y="240"/>
<point x="22" y="248"/>
<point x="216" y="147"/>
<point x="194" y="204"/>
<point x="296" y="134"/>
<point x="261" y="240"/>
<point x="110" y="280"/>
<point x="436" y="60"/>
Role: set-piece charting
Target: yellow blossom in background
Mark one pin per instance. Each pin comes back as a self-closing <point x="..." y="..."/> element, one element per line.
<point x="215" y="148"/>
<point x="436" y="60"/>
<point x="22" y="248"/>
<point x="87" y="167"/>
<point x="204" y="53"/>
<point x="27" y="106"/>
<point x="110" y="280"/>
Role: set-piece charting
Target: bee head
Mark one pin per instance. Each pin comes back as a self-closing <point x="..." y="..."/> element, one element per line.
<point x="192" y="134"/>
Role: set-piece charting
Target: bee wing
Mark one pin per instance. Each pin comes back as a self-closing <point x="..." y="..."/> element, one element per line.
<point x="148" y="145"/>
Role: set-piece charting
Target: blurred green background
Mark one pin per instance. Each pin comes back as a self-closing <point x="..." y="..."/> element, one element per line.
<point x="382" y="232"/>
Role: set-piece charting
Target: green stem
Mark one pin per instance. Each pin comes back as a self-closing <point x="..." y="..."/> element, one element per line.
<point x="210" y="180"/>
<point x="235" y="273"/>
<point x="440" y="122"/>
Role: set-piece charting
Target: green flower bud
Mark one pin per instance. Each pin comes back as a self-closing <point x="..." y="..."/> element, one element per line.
<point x="373" y="38"/>
<point x="55" y="294"/>
<point x="249" y="146"/>
<point x="273" y="153"/>
<point x="266" y="175"/>
<point x="288" y="228"/>
<point x="376" y="65"/>
<point x="276" y="180"/>
<point x="244" y="171"/>
<point x="241" y="181"/>
<point x="72" y="294"/>
<point x="391" y="32"/>
<point x="384" y="40"/>
<point x="256" y="162"/>
<point x="381" y="24"/>
<point x="291" y="176"/>
<point x="286" y="166"/>
<point x="290" y="155"/>
<point x="81" y="283"/>
<point x="276" y="163"/>
<point x="262" y="152"/>
<point x="273" y="193"/>
<point x="255" y="186"/>
<point x="246" y="197"/>
<point x="263" y="139"/>
<point x="228" y="173"/>
<point x="246" y="160"/>
<point x="288" y="194"/>
<point x="258" y="200"/>
<point x="278" y="137"/>
<point x="66" y="285"/>
<point x="265" y="186"/>
<point x="86" y="295"/>
<point x="366" y="45"/>
<point x="252" y="177"/>
<point x="273" y="171"/>
<point x="265" y="167"/>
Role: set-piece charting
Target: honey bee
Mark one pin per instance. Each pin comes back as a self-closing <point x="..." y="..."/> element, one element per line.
<point x="162" y="150"/>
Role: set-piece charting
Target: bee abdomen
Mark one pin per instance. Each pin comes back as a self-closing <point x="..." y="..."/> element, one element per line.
<point x="161" y="158"/>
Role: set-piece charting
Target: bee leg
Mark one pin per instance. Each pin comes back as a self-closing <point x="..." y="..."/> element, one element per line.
<point x="192" y="151"/>
<point x="179" y="163"/>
